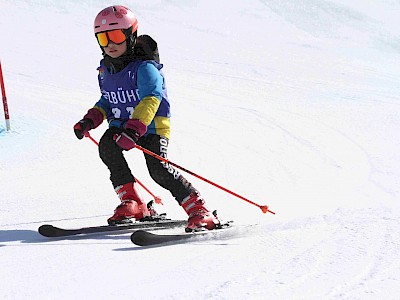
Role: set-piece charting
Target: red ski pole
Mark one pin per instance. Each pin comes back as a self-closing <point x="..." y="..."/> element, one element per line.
<point x="157" y="199"/>
<point x="5" y="105"/>
<point x="264" y="208"/>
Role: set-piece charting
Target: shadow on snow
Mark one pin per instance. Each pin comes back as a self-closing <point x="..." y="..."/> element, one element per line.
<point x="33" y="237"/>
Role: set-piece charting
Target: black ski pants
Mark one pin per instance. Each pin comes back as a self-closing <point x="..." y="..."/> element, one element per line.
<point x="162" y="173"/>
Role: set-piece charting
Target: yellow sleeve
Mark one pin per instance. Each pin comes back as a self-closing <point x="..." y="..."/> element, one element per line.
<point x="146" y="109"/>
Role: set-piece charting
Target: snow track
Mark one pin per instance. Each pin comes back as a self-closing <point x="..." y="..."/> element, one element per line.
<point x="293" y="105"/>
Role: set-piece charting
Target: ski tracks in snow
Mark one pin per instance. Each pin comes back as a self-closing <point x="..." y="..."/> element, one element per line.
<point x="347" y="255"/>
<point x="344" y="255"/>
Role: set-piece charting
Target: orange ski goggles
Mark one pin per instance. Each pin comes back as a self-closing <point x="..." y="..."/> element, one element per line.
<point x="116" y="36"/>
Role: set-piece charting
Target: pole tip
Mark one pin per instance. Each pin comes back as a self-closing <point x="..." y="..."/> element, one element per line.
<point x="158" y="200"/>
<point x="265" y="209"/>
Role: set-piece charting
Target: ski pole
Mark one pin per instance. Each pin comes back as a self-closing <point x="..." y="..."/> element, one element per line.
<point x="5" y="105"/>
<point x="264" y="208"/>
<point x="157" y="199"/>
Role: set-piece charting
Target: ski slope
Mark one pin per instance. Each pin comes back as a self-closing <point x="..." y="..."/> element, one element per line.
<point x="292" y="104"/>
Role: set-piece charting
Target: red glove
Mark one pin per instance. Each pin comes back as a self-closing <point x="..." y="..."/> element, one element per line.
<point x="91" y="120"/>
<point x="125" y="141"/>
<point x="83" y="127"/>
<point x="134" y="130"/>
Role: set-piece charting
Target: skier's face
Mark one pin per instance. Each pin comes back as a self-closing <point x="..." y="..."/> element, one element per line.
<point x="115" y="50"/>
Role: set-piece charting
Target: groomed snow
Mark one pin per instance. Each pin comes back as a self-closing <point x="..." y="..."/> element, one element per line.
<point x="292" y="104"/>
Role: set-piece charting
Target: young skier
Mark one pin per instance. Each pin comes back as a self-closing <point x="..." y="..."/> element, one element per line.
<point x="135" y="103"/>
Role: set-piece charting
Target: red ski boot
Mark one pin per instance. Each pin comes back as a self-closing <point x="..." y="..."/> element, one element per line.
<point x="199" y="215"/>
<point x="132" y="205"/>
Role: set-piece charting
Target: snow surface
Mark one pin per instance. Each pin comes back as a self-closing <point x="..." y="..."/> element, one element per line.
<point x="293" y="104"/>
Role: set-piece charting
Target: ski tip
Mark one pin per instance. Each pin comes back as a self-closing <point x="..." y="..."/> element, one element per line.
<point x="47" y="230"/>
<point x="140" y="237"/>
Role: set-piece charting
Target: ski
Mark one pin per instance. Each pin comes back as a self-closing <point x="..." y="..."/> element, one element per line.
<point x="146" y="238"/>
<point x="48" y="230"/>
